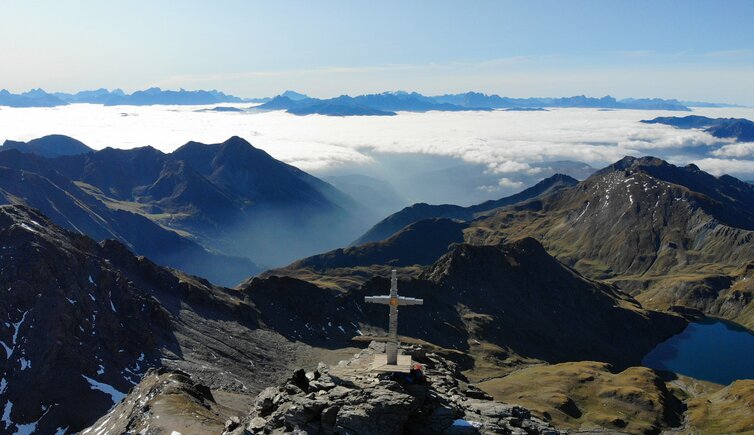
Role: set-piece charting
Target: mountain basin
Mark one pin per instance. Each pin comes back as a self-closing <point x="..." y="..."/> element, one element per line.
<point x="711" y="350"/>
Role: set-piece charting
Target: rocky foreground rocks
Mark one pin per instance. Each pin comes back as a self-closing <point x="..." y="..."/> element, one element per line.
<point x="346" y="399"/>
<point x="350" y="399"/>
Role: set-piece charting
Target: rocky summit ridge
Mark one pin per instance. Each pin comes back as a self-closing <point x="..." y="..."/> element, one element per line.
<point x="342" y="399"/>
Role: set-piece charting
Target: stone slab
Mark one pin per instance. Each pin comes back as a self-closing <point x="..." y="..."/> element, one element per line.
<point x="379" y="364"/>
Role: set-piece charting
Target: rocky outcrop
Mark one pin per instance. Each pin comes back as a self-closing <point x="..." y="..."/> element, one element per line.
<point x="164" y="402"/>
<point x="350" y="399"/>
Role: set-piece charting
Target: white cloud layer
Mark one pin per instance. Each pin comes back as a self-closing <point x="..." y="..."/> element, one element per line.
<point x="726" y="166"/>
<point x="743" y="149"/>
<point x="506" y="142"/>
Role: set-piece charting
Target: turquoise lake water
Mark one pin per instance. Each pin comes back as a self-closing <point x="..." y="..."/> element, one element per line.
<point x="709" y="350"/>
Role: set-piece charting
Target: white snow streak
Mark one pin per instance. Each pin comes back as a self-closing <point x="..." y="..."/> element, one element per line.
<point x="116" y="395"/>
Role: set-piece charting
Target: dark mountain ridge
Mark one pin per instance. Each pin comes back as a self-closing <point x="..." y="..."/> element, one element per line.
<point x="54" y="145"/>
<point x="742" y="130"/>
<point x="230" y="197"/>
<point x="27" y="179"/>
<point x="410" y="101"/>
<point x="421" y="242"/>
<point x="420" y="211"/>
<point x="389" y="102"/>
<point x="32" y="98"/>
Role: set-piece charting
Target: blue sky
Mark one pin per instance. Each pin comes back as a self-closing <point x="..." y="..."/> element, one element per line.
<point x="682" y="49"/>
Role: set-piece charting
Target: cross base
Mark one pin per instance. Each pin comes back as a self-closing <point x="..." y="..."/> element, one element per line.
<point x="379" y="364"/>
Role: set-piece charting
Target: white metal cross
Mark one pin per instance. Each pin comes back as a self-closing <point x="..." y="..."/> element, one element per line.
<point x="393" y="300"/>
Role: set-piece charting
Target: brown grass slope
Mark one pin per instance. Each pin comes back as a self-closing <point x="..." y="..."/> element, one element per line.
<point x="589" y="396"/>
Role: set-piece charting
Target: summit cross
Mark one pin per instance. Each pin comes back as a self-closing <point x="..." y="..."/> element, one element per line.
<point x="394" y="301"/>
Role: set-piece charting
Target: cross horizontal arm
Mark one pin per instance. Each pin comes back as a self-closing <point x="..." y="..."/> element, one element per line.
<point x="410" y="301"/>
<point x="378" y="299"/>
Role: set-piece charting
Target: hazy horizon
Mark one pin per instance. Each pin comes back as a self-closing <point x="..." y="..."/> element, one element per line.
<point x="256" y="49"/>
<point x="335" y="95"/>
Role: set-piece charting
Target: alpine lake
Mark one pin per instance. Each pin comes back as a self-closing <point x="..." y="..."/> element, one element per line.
<point x="711" y="350"/>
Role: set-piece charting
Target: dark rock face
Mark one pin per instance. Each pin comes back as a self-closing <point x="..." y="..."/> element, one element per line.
<point x="83" y="321"/>
<point x="726" y="198"/>
<point x="515" y="296"/>
<point x="349" y="399"/>
<point x="74" y="340"/>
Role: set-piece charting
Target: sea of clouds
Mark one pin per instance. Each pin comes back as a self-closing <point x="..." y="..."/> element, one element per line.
<point x="509" y="144"/>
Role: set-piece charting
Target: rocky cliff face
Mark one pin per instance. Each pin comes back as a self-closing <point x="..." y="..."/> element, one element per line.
<point x="83" y="321"/>
<point x="347" y="399"/>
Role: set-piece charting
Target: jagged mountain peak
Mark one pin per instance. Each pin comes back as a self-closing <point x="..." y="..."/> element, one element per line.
<point x="728" y="199"/>
<point x="634" y="163"/>
<point x="230" y="150"/>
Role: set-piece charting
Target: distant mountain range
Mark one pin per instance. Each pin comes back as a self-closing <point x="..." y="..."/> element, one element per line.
<point x="476" y="99"/>
<point x="384" y="104"/>
<point x="151" y="96"/>
<point x="742" y="130"/>
<point x="387" y="103"/>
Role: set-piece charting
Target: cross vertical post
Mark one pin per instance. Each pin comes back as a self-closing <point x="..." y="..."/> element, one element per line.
<point x="394" y="301"/>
